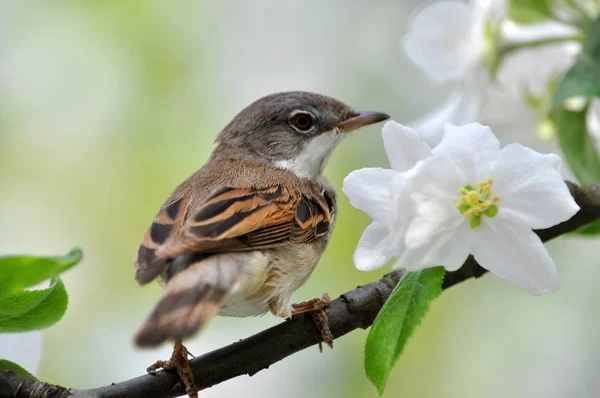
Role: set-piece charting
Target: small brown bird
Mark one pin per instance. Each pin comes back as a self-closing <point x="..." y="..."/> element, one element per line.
<point x="245" y="231"/>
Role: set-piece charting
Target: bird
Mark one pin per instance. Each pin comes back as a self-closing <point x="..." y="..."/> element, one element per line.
<point x="246" y="230"/>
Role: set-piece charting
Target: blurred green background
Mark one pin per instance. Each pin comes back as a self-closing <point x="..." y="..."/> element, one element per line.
<point x="105" y="106"/>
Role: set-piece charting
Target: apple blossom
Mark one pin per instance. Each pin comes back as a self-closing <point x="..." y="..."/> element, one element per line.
<point x="474" y="45"/>
<point x="465" y="196"/>
<point x="447" y="41"/>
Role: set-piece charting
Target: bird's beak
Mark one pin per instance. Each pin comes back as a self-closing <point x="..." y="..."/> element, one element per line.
<point x="357" y="119"/>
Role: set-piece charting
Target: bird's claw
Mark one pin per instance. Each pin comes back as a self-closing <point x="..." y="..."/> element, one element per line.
<point x="179" y="362"/>
<point x="315" y="307"/>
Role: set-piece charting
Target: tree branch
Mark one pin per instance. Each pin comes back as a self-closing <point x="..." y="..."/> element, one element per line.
<point x="355" y="309"/>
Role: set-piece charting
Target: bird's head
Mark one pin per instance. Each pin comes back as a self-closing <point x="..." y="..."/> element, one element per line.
<point x="296" y="130"/>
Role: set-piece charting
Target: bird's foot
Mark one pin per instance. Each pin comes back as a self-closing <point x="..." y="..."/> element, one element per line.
<point x="315" y="307"/>
<point x="179" y="362"/>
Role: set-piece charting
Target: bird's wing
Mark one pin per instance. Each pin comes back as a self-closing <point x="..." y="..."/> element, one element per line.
<point x="167" y="223"/>
<point x="242" y="219"/>
<point x="231" y="219"/>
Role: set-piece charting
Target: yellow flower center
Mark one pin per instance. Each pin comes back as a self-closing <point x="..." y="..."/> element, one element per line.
<point x="476" y="202"/>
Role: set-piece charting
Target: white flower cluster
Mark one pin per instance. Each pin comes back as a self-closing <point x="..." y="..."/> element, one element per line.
<point x="435" y="206"/>
<point x="474" y="44"/>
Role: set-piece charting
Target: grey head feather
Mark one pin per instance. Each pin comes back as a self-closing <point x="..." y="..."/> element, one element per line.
<point x="262" y="130"/>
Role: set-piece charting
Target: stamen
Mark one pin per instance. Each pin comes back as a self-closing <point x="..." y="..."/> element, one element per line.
<point x="476" y="202"/>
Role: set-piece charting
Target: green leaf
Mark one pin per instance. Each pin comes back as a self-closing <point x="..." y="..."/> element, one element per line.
<point x="5" y="364"/>
<point x="397" y="320"/>
<point x="589" y="230"/>
<point x="578" y="147"/>
<point x="579" y="151"/>
<point x="529" y="11"/>
<point x="19" y="272"/>
<point x="583" y="79"/>
<point x="33" y="309"/>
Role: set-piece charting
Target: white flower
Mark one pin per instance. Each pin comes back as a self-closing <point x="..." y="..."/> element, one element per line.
<point x="447" y="41"/>
<point x="468" y="197"/>
<point x="464" y="42"/>
<point x="24" y="349"/>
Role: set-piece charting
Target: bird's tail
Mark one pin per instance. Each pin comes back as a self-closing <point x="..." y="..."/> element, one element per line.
<point x="194" y="293"/>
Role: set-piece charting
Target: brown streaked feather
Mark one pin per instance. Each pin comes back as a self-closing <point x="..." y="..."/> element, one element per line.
<point x="194" y="295"/>
<point x="241" y="219"/>
<point x="166" y="224"/>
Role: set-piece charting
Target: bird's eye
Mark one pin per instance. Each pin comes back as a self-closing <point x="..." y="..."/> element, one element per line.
<point x="302" y="121"/>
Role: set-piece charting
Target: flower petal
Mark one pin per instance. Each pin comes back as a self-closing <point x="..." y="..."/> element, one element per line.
<point x="531" y="71"/>
<point x="445" y="40"/>
<point x="460" y="108"/>
<point x="514" y="252"/>
<point x="448" y="247"/>
<point x="516" y="33"/>
<point x="468" y="147"/>
<point x="24" y="349"/>
<point x="532" y="190"/>
<point x="375" y="248"/>
<point x="432" y="218"/>
<point x="412" y="259"/>
<point x="452" y="247"/>
<point x="369" y="190"/>
<point x="404" y="146"/>
<point x="436" y="181"/>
